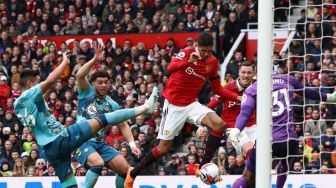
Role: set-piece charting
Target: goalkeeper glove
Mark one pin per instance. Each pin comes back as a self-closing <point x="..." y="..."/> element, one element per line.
<point x="233" y="135"/>
<point x="331" y="97"/>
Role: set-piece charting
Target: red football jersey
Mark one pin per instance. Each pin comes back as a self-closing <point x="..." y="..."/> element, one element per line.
<point x="231" y="108"/>
<point x="187" y="79"/>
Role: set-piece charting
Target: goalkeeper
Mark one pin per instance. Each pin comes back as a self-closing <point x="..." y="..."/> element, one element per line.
<point x="283" y="130"/>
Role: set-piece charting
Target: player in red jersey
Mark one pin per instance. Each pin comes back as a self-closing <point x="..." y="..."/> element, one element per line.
<point x="231" y="108"/>
<point x="190" y="69"/>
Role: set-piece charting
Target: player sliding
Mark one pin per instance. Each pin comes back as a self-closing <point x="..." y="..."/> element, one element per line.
<point x="58" y="142"/>
<point x="95" y="153"/>
<point x="285" y="139"/>
<point x="231" y="108"/>
<point x="190" y="69"/>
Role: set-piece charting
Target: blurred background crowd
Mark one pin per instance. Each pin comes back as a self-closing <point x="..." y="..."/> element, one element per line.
<point x="135" y="69"/>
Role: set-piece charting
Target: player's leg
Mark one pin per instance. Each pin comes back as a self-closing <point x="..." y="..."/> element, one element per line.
<point x="60" y="159"/>
<point x="172" y="122"/>
<point x="116" y="117"/>
<point x="281" y="149"/>
<point x="114" y="161"/>
<point x="217" y="127"/>
<point x="155" y="154"/>
<point x="248" y="173"/>
<point x="88" y="157"/>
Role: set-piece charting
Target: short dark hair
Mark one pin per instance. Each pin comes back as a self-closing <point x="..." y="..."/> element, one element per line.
<point x="27" y="74"/>
<point x="248" y="64"/>
<point x="99" y="74"/>
<point x="205" y="39"/>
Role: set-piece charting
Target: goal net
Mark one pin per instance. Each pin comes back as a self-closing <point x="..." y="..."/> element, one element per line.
<point x="311" y="58"/>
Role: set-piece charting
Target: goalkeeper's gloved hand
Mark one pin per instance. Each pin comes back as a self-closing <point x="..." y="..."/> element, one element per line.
<point x="331" y="97"/>
<point x="233" y="135"/>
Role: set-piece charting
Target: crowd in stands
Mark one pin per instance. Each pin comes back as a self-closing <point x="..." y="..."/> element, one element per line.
<point x="134" y="70"/>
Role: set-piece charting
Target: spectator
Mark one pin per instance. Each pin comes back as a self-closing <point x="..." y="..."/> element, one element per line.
<point x="30" y="172"/>
<point x="191" y="166"/>
<point x="315" y="126"/>
<point x="112" y="134"/>
<point x="40" y="166"/>
<point x="5" y="91"/>
<point x="19" y="168"/>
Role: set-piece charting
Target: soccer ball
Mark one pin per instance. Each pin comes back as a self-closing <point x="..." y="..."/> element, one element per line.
<point x="209" y="173"/>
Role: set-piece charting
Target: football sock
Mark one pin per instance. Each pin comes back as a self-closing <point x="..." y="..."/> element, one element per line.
<point x="119" y="181"/>
<point x="145" y="162"/>
<point x="241" y="182"/>
<point x="92" y="176"/>
<point x="116" y="117"/>
<point x="212" y="144"/>
<point x="71" y="182"/>
<point x="281" y="171"/>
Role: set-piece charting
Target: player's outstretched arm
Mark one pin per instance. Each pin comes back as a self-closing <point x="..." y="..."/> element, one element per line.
<point x="127" y="133"/>
<point x="54" y="75"/>
<point x="223" y="92"/>
<point x="83" y="83"/>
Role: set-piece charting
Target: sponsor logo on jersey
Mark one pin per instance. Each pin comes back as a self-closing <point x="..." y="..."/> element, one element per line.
<point x="191" y="71"/>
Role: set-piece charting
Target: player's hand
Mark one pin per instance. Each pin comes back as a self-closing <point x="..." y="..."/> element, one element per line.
<point x="331" y="97"/>
<point x="201" y="131"/>
<point x="99" y="53"/>
<point x="233" y="135"/>
<point x="239" y="98"/>
<point x="194" y="57"/>
<point x="136" y="151"/>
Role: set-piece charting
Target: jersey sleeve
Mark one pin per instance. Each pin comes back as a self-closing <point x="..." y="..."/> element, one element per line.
<point x="90" y="91"/>
<point x="248" y="104"/>
<point x="179" y="61"/>
<point x="215" y="101"/>
<point x="33" y="94"/>
<point x="216" y="85"/>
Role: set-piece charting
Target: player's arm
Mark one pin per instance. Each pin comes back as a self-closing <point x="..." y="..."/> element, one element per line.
<point x="82" y="81"/>
<point x="313" y="94"/>
<point x="215" y="101"/>
<point x="54" y="75"/>
<point x="46" y="94"/>
<point x="178" y="62"/>
<point x="223" y="92"/>
<point x="247" y="107"/>
<point x="127" y="133"/>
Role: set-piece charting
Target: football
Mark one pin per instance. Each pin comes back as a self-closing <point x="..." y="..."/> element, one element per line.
<point x="209" y="173"/>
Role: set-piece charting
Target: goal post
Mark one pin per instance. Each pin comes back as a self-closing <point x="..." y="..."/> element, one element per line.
<point x="264" y="94"/>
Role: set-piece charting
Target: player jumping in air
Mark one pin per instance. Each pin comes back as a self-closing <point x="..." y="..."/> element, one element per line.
<point x="231" y="108"/>
<point x="285" y="139"/>
<point x="189" y="69"/>
<point x="95" y="153"/>
<point x="57" y="141"/>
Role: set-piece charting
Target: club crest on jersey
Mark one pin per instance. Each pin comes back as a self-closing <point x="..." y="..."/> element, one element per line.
<point x="166" y="132"/>
<point x="91" y="109"/>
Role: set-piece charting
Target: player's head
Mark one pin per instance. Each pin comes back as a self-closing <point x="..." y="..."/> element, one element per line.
<point x="205" y="45"/>
<point x="28" y="78"/>
<point x="246" y="74"/>
<point x="100" y="81"/>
